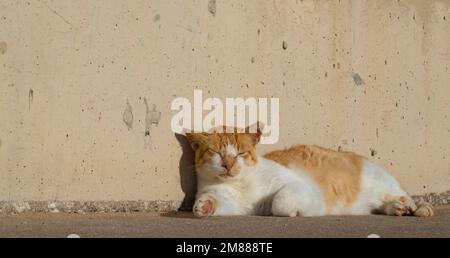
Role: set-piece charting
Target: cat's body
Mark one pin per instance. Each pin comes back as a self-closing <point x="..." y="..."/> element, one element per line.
<point x="300" y="181"/>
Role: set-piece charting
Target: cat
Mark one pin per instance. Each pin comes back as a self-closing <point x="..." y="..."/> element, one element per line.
<point x="304" y="180"/>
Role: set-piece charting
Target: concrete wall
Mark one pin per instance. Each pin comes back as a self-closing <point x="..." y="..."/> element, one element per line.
<point x="367" y="76"/>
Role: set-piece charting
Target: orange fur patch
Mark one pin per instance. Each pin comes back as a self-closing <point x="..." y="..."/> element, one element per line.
<point x="337" y="173"/>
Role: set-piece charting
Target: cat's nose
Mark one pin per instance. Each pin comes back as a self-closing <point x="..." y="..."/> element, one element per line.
<point x="225" y="166"/>
<point x="228" y="162"/>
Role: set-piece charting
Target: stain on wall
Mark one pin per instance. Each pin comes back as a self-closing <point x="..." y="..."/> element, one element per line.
<point x="30" y="98"/>
<point x="284" y="45"/>
<point x="212" y="5"/>
<point x="152" y="118"/>
<point x="128" y="116"/>
<point x="156" y="18"/>
<point x="357" y="79"/>
<point x="3" y="47"/>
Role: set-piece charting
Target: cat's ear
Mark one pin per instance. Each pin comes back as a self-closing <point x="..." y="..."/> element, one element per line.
<point x="255" y="132"/>
<point x="196" y="139"/>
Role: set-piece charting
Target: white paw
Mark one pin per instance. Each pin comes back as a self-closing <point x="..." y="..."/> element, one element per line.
<point x="204" y="207"/>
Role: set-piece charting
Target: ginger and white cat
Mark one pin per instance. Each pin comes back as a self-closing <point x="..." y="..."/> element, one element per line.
<point x="303" y="180"/>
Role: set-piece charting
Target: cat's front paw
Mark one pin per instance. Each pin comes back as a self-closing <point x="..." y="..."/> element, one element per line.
<point x="204" y="207"/>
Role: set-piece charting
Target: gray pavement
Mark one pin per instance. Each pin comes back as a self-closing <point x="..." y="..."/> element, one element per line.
<point x="182" y="224"/>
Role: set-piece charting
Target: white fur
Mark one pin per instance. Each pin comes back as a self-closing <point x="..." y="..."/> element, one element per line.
<point x="376" y="183"/>
<point x="231" y="150"/>
<point x="271" y="189"/>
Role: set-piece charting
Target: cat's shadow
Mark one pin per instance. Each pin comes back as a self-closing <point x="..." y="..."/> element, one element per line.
<point x="188" y="179"/>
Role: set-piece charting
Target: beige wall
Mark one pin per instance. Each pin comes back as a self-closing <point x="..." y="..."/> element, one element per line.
<point x="68" y="69"/>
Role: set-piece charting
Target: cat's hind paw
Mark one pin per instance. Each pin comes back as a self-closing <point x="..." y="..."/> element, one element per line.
<point x="204" y="207"/>
<point x="424" y="210"/>
<point x="401" y="208"/>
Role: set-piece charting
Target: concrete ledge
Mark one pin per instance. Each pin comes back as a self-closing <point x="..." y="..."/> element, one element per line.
<point x="9" y="207"/>
<point x="88" y="206"/>
<point x="436" y="199"/>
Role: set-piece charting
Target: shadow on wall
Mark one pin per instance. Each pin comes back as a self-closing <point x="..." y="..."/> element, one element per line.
<point x="188" y="179"/>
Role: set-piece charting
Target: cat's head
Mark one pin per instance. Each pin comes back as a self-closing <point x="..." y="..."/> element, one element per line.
<point x="224" y="156"/>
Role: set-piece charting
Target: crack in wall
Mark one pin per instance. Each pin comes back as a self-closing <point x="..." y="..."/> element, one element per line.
<point x="58" y="14"/>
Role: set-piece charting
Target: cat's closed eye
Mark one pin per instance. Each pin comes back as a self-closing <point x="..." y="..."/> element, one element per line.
<point x="212" y="151"/>
<point x="243" y="153"/>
